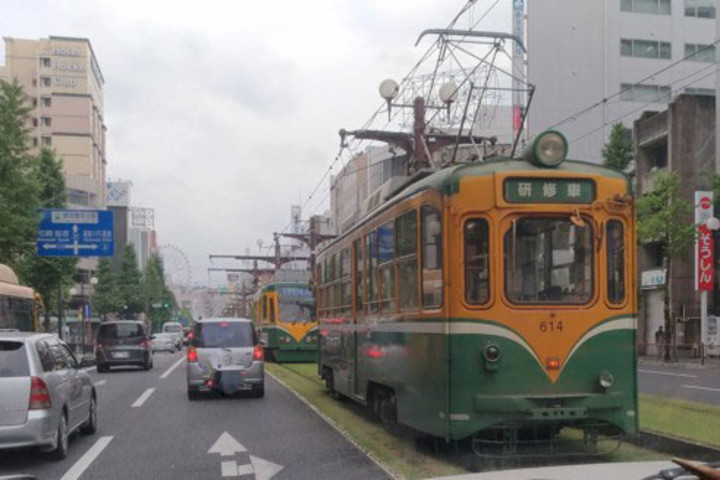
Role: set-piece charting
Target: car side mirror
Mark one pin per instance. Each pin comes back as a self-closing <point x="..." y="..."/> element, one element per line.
<point x="87" y="362"/>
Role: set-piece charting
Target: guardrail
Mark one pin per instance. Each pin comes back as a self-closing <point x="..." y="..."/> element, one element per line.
<point x="686" y="352"/>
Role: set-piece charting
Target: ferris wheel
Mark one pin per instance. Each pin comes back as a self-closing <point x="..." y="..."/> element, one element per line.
<point x="178" y="271"/>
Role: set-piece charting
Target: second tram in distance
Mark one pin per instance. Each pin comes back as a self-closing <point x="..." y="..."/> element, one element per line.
<point x="284" y="314"/>
<point x="490" y="301"/>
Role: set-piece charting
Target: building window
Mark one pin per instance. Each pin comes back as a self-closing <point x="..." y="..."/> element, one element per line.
<point x="710" y="92"/>
<point x="44" y="81"/>
<point x="700" y="8"/>
<point x="700" y="53"/>
<point x="45" y="62"/>
<point x="34" y="102"/>
<point x="645" y="49"/>
<point x="645" y="93"/>
<point x="35" y="142"/>
<point x="34" y="122"/>
<point x="46" y="121"/>
<point x="46" y="101"/>
<point x="657" y="7"/>
<point x="46" y="141"/>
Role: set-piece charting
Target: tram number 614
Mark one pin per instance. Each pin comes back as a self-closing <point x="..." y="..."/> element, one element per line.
<point x="551" y="326"/>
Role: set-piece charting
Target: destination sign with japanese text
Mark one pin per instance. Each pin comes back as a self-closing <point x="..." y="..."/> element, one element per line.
<point x="549" y="190"/>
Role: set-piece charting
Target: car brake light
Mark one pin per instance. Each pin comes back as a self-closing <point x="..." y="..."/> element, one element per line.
<point x="552" y="363"/>
<point x="144" y="344"/>
<point x="39" y="395"/>
<point x="258" y="354"/>
<point x="192" y="354"/>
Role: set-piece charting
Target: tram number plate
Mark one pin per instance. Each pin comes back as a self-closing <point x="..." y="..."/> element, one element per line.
<point x="551" y="326"/>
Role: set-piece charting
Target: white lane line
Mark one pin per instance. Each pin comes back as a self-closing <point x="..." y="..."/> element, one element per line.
<point x="100" y="383"/>
<point x="670" y="374"/>
<point x="81" y="465"/>
<point x="146" y="394"/>
<point x="702" y="388"/>
<point x="173" y="367"/>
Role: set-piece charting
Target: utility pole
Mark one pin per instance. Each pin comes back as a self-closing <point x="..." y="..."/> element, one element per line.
<point x="312" y="239"/>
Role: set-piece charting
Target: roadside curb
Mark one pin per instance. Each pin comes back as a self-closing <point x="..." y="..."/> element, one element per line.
<point x="334" y="425"/>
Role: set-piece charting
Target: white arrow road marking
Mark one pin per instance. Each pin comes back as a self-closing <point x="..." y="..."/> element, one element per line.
<point x="173" y="367"/>
<point x="79" y="468"/>
<point x="146" y="394"/>
<point x="264" y="469"/>
<point x="100" y="383"/>
<point x="227" y="446"/>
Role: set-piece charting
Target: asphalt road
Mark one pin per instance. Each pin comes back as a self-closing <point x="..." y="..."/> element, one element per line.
<point x="694" y="384"/>
<point x="148" y="429"/>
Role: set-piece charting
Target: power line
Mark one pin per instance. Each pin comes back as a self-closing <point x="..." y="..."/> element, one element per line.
<point x="645" y="105"/>
<point x="595" y="105"/>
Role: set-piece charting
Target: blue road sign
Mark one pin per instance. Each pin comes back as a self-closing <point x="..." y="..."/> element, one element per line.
<point x="76" y="233"/>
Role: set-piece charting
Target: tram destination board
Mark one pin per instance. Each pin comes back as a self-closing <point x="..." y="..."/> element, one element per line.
<point x="549" y="190"/>
<point x="76" y="233"/>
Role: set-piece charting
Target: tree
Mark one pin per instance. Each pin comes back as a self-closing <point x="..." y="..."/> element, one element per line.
<point x="154" y="291"/>
<point x="663" y="217"/>
<point x="129" y="282"/>
<point x="618" y="152"/>
<point x="49" y="276"/>
<point x="18" y="184"/>
<point x="106" y="298"/>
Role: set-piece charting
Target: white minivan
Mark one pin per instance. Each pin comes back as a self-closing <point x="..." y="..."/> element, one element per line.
<point x="176" y="329"/>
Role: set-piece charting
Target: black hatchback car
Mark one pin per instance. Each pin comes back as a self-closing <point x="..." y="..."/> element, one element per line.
<point x="123" y="343"/>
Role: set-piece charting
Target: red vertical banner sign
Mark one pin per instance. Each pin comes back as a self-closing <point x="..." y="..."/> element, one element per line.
<point x="705" y="266"/>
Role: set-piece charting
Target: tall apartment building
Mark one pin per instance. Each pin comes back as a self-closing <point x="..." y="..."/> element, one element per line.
<point x="583" y="51"/>
<point x="63" y="80"/>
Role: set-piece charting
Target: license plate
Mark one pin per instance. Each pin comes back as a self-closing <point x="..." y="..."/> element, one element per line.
<point x="121" y="355"/>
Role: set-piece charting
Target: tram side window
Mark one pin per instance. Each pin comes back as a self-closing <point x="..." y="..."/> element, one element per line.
<point x="371" y="248"/>
<point x="272" y="310"/>
<point x="345" y="295"/>
<point x="406" y="254"/>
<point x="615" y="262"/>
<point x="359" y="269"/>
<point x="386" y="252"/>
<point x="264" y="308"/>
<point x="432" y="258"/>
<point x="477" y="262"/>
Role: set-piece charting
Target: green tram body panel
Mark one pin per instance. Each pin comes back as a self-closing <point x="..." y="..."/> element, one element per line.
<point x="445" y="388"/>
<point x="289" y="351"/>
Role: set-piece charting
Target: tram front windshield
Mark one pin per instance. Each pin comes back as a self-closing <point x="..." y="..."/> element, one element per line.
<point x="548" y="261"/>
<point x="295" y="305"/>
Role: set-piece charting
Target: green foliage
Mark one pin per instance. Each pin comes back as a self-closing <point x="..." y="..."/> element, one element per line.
<point x="18" y="180"/>
<point x="715" y="186"/>
<point x="129" y="282"/>
<point x="106" y="298"/>
<point x="155" y="292"/>
<point x="49" y="276"/>
<point x="664" y="217"/>
<point x="618" y="152"/>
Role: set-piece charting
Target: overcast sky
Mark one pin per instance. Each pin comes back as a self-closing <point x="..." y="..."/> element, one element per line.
<point x="223" y="114"/>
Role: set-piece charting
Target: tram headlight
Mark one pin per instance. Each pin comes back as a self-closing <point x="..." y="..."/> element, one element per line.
<point x="492" y="353"/>
<point x="606" y="380"/>
<point x="548" y="149"/>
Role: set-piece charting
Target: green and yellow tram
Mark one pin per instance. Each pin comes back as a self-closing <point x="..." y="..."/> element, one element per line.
<point x="489" y="301"/>
<point x="284" y="314"/>
<point x="20" y="306"/>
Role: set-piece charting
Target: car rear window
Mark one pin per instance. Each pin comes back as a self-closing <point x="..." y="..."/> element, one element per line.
<point x="224" y="335"/>
<point x="13" y="360"/>
<point x="121" y="330"/>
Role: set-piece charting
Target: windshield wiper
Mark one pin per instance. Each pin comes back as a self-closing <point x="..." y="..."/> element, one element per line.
<point x="703" y="471"/>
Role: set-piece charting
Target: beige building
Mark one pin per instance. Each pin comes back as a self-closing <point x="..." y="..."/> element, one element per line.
<point x="62" y="79"/>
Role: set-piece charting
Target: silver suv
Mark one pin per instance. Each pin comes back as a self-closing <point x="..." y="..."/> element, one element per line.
<point x="45" y="395"/>
<point x="225" y="356"/>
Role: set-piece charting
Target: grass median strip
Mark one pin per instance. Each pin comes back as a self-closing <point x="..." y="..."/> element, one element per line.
<point x="397" y="453"/>
<point x="693" y="421"/>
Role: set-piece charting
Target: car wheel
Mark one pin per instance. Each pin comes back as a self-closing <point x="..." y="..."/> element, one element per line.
<point x="90" y="426"/>
<point x="61" y="450"/>
<point x="102" y="368"/>
<point x="193" y="394"/>
<point x="146" y="365"/>
<point x="259" y="392"/>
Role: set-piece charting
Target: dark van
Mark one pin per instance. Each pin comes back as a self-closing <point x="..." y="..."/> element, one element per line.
<point x="123" y="343"/>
